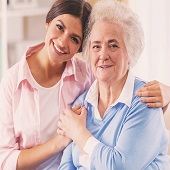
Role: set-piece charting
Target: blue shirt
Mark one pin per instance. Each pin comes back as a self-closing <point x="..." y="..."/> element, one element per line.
<point x="132" y="136"/>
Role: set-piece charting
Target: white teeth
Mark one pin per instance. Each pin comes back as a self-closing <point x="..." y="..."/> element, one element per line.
<point x="104" y="66"/>
<point x="60" y="51"/>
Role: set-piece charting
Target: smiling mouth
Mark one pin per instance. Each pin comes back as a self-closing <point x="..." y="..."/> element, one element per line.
<point x="59" y="50"/>
<point x="105" y="66"/>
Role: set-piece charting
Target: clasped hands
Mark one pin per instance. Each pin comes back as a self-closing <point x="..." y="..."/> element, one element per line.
<point x="72" y="122"/>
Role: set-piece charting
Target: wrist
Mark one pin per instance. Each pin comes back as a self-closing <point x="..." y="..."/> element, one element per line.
<point x="59" y="143"/>
<point x="81" y="137"/>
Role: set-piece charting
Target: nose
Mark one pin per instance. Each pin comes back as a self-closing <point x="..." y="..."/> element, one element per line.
<point x="103" y="54"/>
<point x="62" y="41"/>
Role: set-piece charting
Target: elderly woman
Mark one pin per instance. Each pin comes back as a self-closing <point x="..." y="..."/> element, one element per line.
<point x="121" y="132"/>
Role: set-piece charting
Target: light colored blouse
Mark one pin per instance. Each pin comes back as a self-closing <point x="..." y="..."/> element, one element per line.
<point x="130" y="136"/>
<point x="19" y="105"/>
<point x="48" y="109"/>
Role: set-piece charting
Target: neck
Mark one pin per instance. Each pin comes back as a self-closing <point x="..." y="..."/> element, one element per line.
<point x="44" y="72"/>
<point x="108" y="94"/>
<point x="49" y="69"/>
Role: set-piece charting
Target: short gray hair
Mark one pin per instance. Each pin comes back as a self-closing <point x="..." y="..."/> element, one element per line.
<point x="121" y="14"/>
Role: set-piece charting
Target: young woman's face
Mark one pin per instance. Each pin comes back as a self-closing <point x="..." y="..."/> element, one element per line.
<point x="108" y="55"/>
<point x="63" y="38"/>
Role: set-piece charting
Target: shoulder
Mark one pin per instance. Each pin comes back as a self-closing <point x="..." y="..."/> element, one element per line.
<point x="139" y="108"/>
<point x="81" y="65"/>
<point x="78" y="62"/>
<point x="138" y="83"/>
<point x="10" y="77"/>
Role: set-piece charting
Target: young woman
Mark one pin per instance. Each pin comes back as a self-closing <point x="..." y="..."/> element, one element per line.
<point x="35" y="90"/>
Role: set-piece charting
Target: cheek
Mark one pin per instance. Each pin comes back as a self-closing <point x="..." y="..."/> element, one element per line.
<point x="52" y="33"/>
<point x="73" y="49"/>
<point x="127" y="60"/>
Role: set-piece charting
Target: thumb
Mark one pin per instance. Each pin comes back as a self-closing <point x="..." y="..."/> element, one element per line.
<point x="84" y="112"/>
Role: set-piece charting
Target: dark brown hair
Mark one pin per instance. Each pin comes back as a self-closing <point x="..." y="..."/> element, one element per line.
<point x="78" y="8"/>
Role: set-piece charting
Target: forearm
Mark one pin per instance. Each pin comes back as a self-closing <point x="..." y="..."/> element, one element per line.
<point x="81" y="137"/>
<point x="31" y="158"/>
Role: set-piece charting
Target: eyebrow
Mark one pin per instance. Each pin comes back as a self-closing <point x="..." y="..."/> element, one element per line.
<point x="109" y="41"/>
<point x="73" y="34"/>
<point x="96" y="42"/>
<point x="113" y="40"/>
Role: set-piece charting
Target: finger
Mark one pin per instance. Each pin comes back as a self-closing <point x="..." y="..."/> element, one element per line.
<point x="62" y="117"/>
<point x="153" y="105"/>
<point x="60" y="132"/>
<point x="78" y="112"/>
<point x="84" y="112"/>
<point x="143" y="89"/>
<point x="149" y="86"/>
<point x="151" y="83"/>
<point x="77" y="107"/>
<point x="141" y="92"/>
<point x="60" y="124"/>
<point x="150" y="99"/>
<point x="149" y="93"/>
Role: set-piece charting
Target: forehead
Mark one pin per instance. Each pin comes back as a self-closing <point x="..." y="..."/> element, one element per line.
<point x="72" y="23"/>
<point x="103" y="30"/>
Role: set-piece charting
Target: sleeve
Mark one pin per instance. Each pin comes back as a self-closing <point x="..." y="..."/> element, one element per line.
<point x="138" y="144"/>
<point x="90" y="145"/>
<point x="67" y="161"/>
<point x="9" y="149"/>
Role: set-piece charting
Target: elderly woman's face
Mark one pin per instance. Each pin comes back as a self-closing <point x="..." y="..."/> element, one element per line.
<point x="108" y="55"/>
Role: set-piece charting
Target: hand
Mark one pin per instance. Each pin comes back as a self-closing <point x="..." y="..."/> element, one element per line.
<point x="77" y="109"/>
<point x="74" y="126"/>
<point x="158" y="94"/>
<point x="70" y="122"/>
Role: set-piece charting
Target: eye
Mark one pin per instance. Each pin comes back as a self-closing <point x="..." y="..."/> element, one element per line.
<point x="75" y="40"/>
<point x="59" y="27"/>
<point x="96" y="48"/>
<point x="113" y="46"/>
